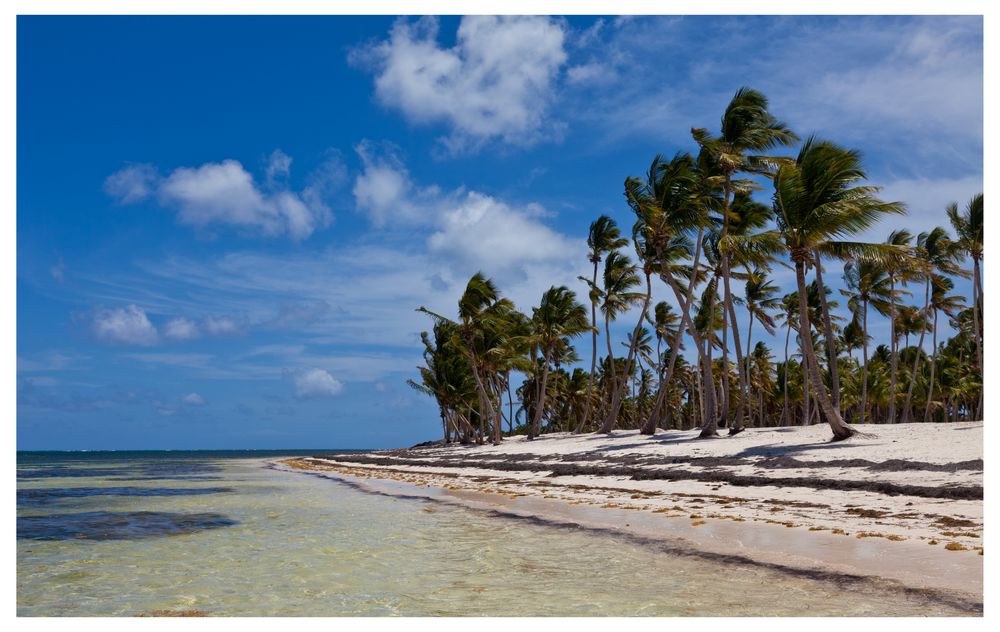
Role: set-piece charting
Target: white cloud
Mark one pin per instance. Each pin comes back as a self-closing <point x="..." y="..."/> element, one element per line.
<point x="181" y="329"/>
<point x="486" y="233"/>
<point x="279" y="166"/>
<point x="124" y="325"/>
<point x="225" y="194"/>
<point x="383" y="190"/>
<point x="193" y="399"/>
<point x="316" y="383"/>
<point x="132" y="184"/>
<point x="925" y="199"/>
<point x="221" y="325"/>
<point x="496" y="83"/>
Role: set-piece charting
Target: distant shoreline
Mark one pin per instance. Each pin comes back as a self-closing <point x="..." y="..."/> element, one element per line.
<point x="901" y="503"/>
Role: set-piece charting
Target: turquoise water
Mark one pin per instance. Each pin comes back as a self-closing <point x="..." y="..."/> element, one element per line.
<point x="224" y="534"/>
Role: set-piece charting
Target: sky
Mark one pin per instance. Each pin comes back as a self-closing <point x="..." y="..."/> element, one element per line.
<point x="225" y="224"/>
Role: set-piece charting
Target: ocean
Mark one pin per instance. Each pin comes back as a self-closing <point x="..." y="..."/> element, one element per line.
<point x="224" y="533"/>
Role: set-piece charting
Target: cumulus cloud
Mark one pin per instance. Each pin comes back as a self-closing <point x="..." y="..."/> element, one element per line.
<point x="312" y="383"/>
<point x="496" y="83"/>
<point x="473" y="229"/>
<point x="132" y="184"/>
<point x="383" y="190"/>
<point x="226" y="194"/>
<point x="487" y="233"/>
<point x="124" y="325"/>
<point x="181" y="329"/>
<point x="193" y="399"/>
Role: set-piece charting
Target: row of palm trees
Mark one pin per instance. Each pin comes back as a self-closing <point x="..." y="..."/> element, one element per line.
<point x="699" y="231"/>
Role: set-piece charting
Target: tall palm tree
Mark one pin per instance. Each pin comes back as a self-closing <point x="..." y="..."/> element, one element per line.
<point x="558" y="317"/>
<point x="818" y="199"/>
<point x="969" y="232"/>
<point x="868" y="284"/>
<point x="760" y="295"/>
<point x="897" y="270"/>
<point x="618" y="295"/>
<point x="935" y="253"/>
<point x="747" y="130"/>
<point x="602" y="238"/>
<point x="950" y="305"/>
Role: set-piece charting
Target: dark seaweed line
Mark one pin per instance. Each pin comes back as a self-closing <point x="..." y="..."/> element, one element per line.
<point x="972" y="492"/>
<point x="837" y="577"/>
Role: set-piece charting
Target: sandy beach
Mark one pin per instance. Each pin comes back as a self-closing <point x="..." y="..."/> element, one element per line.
<point x="899" y="503"/>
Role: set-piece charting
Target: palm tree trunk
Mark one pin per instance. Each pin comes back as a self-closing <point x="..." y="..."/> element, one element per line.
<point x="864" y="369"/>
<point x="920" y="348"/>
<point x="593" y="359"/>
<point x="977" y="297"/>
<point x="784" y="410"/>
<point x="831" y="340"/>
<point x="741" y="404"/>
<point x="837" y="425"/>
<point x="894" y="345"/>
<point x="536" y="423"/>
<point x="930" y="390"/>
<point x="619" y="392"/>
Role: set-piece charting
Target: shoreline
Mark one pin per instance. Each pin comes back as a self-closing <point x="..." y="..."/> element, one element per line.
<point x="881" y="509"/>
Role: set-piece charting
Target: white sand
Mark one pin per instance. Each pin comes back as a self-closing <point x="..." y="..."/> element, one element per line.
<point x="901" y="537"/>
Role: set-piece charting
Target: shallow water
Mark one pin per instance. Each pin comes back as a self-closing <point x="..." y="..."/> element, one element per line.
<point x="228" y="536"/>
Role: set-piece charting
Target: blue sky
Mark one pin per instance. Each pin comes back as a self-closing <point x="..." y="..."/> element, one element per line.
<point x="224" y="224"/>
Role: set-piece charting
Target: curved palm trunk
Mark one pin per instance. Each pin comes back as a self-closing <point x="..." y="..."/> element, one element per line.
<point x="684" y="306"/>
<point x="619" y="392"/>
<point x="536" y="422"/>
<point x="593" y="360"/>
<point x="920" y="348"/>
<point x="930" y="390"/>
<point x="706" y="400"/>
<point x="894" y="344"/>
<point x="837" y="425"/>
<point x="864" y="369"/>
<point x="831" y="340"/>
<point x="484" y="398"/>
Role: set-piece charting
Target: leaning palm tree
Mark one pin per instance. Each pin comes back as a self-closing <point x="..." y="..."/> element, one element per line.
<point x="558" y="318"/>
<point x="969" y="232"/>
<point x="868" y="284"/>
<point x="747" y="130"/>
<point x="935" y="253"/>
<point x="603" y="237"/>
<point x="818" y="200"/>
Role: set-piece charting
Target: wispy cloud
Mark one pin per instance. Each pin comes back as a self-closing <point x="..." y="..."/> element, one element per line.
<point x="127" y="325"/>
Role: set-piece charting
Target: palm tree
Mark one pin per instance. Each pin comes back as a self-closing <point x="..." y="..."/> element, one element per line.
<point x="817" y="200"/>
<point x="935" y="253"/>
<point x="620" y="277"/>
<point x="896" y="270"/>
<point x="479" y="306"/>
<point x="868" y="284"/>
<point x="603" y="237"/>
<point x="950" y="305"/>
<point x="760" y="295"/>
<point x="747" y="130"/>
<point x="559" y="317"/>
<point x="969" y="231"/>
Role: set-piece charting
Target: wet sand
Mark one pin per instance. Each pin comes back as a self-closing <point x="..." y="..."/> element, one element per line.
<point x="901" y="504"/>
